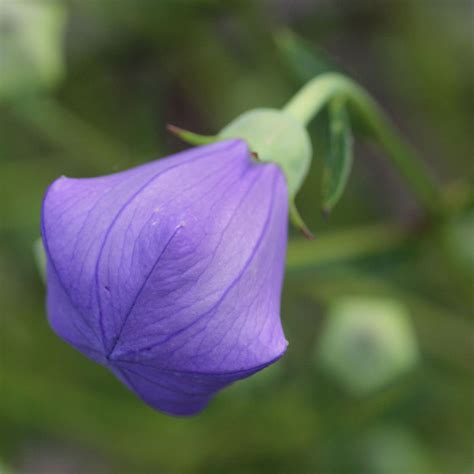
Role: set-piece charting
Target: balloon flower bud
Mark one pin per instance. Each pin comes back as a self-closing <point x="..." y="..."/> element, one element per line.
<point x="170" y="274"/>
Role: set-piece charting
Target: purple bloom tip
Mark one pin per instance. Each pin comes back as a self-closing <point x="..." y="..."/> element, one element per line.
<point x="170" y="273"/>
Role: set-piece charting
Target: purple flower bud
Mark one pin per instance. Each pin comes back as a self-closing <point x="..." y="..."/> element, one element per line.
<point x="170" y="273"/>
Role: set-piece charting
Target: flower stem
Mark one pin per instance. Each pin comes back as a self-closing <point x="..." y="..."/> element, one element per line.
<point x="314" y="96"/>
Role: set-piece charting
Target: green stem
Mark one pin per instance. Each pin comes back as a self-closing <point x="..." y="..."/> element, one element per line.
<point x="62" y="127"/>
<point x="313" y="97"/>
<point x="337" y="246"/>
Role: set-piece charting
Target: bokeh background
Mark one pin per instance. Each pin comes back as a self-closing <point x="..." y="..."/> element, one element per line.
<point x="378" y="377"/>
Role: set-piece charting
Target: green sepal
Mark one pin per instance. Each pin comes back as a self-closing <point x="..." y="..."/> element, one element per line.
<point x="192" y="138"/>
<point x="338" y="161"/>
<point x="298" y="221"/>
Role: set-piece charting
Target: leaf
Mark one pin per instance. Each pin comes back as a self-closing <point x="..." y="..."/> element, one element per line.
<point x="303" y="59"/>
<point x="338" y="163"/>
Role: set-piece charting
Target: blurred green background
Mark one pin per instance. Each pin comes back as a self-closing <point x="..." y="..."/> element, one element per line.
<point x="378" y="310"/>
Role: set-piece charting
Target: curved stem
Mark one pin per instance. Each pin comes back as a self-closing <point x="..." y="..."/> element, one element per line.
<point x="312" y="98"/>
<point x="348" y="244"/>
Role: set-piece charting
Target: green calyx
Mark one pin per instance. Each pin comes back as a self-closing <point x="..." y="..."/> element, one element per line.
<point x="276" y="137"/>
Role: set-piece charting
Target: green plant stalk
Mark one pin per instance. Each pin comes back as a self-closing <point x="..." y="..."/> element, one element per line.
<point x="316" y="94"/>
<point x="341" y="246"/>
<point x="62" y="127"/>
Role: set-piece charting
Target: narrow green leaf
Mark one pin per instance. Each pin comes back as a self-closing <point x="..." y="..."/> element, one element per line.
<point x="192" y="138"/>
<point x="303" y="59"/>
<point x="338" y="163"/>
